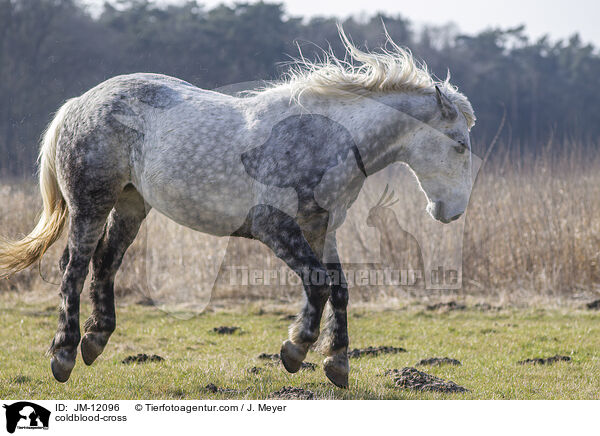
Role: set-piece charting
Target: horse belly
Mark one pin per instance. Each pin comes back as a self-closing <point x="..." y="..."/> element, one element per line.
<point x="201" y="206"/>
<point x="208" y="200"/>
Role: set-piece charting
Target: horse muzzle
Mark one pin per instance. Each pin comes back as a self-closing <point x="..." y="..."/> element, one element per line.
<point x="438" y="210"/>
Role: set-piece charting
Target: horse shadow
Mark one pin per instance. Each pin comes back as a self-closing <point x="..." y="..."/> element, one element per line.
<point x="293" y="165"/>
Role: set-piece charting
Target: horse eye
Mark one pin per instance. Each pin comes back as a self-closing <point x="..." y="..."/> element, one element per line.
<point x="461" y="147"/>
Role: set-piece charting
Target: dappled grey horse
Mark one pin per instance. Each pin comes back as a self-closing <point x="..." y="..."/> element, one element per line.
<point x="281" y="165"/>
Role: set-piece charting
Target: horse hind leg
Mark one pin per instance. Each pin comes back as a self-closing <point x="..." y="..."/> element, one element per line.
<point x="90" y="192"/>
<point x="120" y="231"/>
<point x="335" y="333"/>
<point x="85" y="229"/>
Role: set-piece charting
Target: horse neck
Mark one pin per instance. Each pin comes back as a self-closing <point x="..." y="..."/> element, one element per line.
<point x="383" y="126"/>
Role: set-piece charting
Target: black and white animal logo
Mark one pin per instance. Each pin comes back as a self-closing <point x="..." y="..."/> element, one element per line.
<point x="26" y="415"/>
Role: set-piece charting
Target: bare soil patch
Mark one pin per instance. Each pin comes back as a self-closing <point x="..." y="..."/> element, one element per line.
<point x="145" y="301"/>
<point x="292" y="393"/>
<point x="486" y="307"/>
<point x="594" y="305"/>
<point x="438" y="361"/>
<point x="267" y="356"/>
<point x="226" y="330"/>
<point x="142" y="358"/>
<point x="412" y="378"/>
<point x="374" y="351"/>
<point x="276" y="359"/>
<point x="545" y="360"/>
<point x="448" y="306"/>
<point x="214" y="389"/>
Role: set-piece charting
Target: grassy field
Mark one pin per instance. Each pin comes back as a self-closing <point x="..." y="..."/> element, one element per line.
<point x="488" y="343"/>
<point x="530" y="244"/>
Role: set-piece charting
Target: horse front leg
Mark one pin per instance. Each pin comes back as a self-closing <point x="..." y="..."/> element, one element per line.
<point x="282" y="234"/>
<point x="334" y="339"/>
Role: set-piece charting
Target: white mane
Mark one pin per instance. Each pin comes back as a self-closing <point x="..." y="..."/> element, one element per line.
<point x="368" y="72"/>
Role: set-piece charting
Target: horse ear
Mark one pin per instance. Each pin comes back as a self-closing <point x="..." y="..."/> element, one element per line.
<point x="446" y="106"/>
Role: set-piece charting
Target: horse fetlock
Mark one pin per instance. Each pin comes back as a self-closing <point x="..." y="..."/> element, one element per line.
<point x="301" y="332"/>
<point x="338" y="340"/>
<point x="337" y="368"/>
<point x="100" y="324"/>
<point x="64" y="340"/>
<point x="292" y="355"/>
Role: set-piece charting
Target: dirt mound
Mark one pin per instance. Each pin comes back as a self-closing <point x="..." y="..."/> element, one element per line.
<point x="412" y="378"/>
<point x="142" y="358"/>
<point x="450" y="305"/>
<point x="545" y="360"/>
<point x="374" y="351"/>
<point x="225" y="330"/>
<point x="267" y="356"/>
<point x="276" y="359"/>
<point x="291" y="393"/>
<point x="214" y="389"/>
<point x="486" y="307"/>
<point x="594" y="305"/>
<point x="145" y="301"/>
<point x="309" y="366"/>
<point x="211" y="387"/>
<point x="438" y="361"/>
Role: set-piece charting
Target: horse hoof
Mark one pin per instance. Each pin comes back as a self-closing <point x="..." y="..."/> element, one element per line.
<point x="337" y="369"/>
<point x="90" y="348"/>
<point x="292" y="356"/>
<point x="61" y="367"/>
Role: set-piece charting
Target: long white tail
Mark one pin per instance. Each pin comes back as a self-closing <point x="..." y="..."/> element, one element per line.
<point x="18" y="255"/>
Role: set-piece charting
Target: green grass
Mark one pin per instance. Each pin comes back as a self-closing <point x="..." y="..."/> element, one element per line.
<point x="488" y="344"/>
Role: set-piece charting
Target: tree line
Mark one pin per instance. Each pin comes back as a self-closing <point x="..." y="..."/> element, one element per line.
<point x="51" y="50"/>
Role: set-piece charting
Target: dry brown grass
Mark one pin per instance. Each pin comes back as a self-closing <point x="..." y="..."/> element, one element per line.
<point x="532" y="231"/>
<point x="534" y="224"/>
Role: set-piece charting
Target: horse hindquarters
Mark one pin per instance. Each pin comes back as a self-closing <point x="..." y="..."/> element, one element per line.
<point x="92" y="169"/>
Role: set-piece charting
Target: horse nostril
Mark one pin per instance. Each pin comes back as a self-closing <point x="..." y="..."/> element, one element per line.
<point x="438" y="213"/>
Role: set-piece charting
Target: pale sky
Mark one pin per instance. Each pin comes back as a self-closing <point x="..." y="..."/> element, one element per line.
<point x="559" y="18"/>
